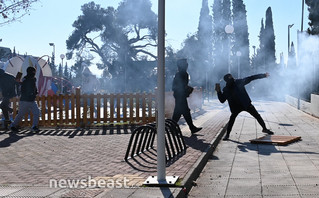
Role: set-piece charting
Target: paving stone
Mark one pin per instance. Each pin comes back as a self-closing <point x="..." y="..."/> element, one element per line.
<point x="7" y="190"/>
<point x="34" y="192"/>
<point x="236" y="169"/>
<point x="268" y="170"/>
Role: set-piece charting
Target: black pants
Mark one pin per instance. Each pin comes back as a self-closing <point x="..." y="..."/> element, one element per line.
<point x="251" y="109"/>
<point x="181" y="108"/>
<point x="5" y="107"/>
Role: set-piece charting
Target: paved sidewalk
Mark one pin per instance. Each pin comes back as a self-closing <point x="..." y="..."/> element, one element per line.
<point x="238" y="168"/>
<point x="43" y="164"/>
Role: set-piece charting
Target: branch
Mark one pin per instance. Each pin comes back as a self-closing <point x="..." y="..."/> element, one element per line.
<point x="146" y="45"/>
<point x="146" y="52"/>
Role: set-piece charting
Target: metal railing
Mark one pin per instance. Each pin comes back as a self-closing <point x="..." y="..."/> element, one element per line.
<point x="142" y="140"/>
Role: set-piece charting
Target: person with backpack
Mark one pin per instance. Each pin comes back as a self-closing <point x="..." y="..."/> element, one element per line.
<point x="27" y="101"/>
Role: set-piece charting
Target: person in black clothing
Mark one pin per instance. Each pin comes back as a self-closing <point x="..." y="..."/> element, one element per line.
<point x="181" y="92"/>
<point x="239" y="100"/>
<point x="8" y="87"/>
<point x="27" y="101"/>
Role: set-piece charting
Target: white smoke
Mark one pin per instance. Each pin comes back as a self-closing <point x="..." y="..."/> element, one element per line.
<point x="308" y="61"/>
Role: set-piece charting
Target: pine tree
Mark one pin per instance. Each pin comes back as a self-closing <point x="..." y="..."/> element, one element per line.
<point x="241" y="34"/>
<point x="313" y="8"/>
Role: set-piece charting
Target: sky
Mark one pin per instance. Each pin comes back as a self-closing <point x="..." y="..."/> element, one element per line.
<point x="50" y="21"/>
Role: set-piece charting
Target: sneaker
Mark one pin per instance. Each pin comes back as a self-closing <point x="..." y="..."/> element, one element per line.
<point x="35" y="129"/>
<point x="226" y="137"/>
<point x="195" y="129"/>
<point x="14" y="129"/>
<point x="269" y="132"/>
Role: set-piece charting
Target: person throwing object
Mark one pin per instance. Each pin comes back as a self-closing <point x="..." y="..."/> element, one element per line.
<point x="238" y="99"/>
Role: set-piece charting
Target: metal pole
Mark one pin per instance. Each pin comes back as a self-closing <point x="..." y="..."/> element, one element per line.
<point x="289" y="26"/>
<point x="161" y="93"/>
<point x="238" y="67"/>
<point x="229" y="54"/>
<point x="303" y="7"/>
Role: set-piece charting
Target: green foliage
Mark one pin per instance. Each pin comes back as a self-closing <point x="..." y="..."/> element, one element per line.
<point x="118" y="36"/>
<point x="265" y="59"/>
<point x="241" y="40"/>
<point x="313" y="8"/>
<point x="197" y="48"/>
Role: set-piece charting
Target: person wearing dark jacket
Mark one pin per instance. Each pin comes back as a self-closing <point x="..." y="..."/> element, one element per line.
<point x="238" y="99"/>
<point x="27" y="101"/>
<point x="181" y="92"/>
<point x="8" y="86"/>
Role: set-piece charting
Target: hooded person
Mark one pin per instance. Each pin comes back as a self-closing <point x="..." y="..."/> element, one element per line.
<point x="27" y="101"/>
<point x="238" y="99"/>
<point x="181" y="91"/>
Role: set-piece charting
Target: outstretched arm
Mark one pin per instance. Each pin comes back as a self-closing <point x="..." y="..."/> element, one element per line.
<point x="255" y="77"/>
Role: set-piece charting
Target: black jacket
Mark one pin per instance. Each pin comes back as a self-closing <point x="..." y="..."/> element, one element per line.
<point x="28" y="89"/>
<point x="180" y="84"/>
<point x="236" y="94"/>
<point x="8" y="85"/>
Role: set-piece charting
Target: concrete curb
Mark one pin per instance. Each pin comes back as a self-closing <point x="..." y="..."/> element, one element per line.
<point x="197" y="168"/>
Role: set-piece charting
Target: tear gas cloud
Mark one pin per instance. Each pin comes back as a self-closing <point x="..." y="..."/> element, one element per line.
<point x="300" y="77"/>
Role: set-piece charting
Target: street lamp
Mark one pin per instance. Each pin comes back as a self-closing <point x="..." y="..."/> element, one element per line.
<point x="238" y="53"/>
<point x="53" y="55"/>
<point x="62" y="56"/>
<point x="254" y="50"/>
<point x="229" y="29"/>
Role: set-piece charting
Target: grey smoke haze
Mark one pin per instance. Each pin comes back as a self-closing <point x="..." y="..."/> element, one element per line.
<point x="299" y="78"/>
<point x="308" y="61"/>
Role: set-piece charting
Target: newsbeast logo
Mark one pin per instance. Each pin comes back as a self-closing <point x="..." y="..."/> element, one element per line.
<point x="89" y="183"/>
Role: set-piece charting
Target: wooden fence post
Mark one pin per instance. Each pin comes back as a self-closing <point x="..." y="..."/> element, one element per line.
<point x="78" y="106"/>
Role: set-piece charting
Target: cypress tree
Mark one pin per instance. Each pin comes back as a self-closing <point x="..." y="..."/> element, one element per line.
<point x="217" y="35"/>
<point x="269" y="34"/>
<point x="313" y="8"/>
<point x="204" y="36"/>
<point x="241" y="35"/>
<point x="227" y="38"/>
<point x="259" y="61"/>
<point x="221" y="48"/>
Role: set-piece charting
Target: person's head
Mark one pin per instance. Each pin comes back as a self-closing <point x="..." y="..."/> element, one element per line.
<point x="229" y="78"/>
<point x="31" y="71"/>
<point x="182" y="64"/>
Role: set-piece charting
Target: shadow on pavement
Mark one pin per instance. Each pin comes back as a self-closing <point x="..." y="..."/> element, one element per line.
<point x="71" y="133"/>
<point x="196" y="143"/>
<point x="13" y="137"/>
<point x="264" y="149"/>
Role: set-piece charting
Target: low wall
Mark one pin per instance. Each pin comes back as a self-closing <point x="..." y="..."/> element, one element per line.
<point x="315" y="104"/>
<point x="311" y="107"/>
